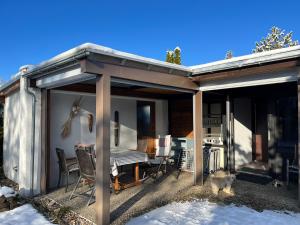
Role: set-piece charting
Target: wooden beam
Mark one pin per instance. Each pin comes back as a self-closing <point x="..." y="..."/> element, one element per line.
<point x="2" y="99"/>
<point x="48" y="142"/>
<point x="85" y="88"/>
<point x="120" y="91"/>
<point x="44" y="131"/>
<point x="103" y="101"/>
<point x="198" y="133"/>
<point x="261" y="69"/>
<point x="299" y="139"/>
<point x="137" y="94"/>
<point x="134" y="74"/>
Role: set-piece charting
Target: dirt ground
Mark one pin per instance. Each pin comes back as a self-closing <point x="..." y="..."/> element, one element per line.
<point x="257" y="196"/>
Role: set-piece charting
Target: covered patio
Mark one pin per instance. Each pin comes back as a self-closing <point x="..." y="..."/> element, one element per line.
<point x="109" y="80"/>
<point x="106" y="80"/>
<point x="131" y="202"/>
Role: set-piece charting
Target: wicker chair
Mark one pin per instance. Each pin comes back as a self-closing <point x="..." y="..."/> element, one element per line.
<point x="66" y="167"/>
<point x="87" y="172"/>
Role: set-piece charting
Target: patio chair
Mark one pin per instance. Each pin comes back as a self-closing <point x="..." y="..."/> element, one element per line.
<point x="87" y="170"/>
<point x="142" y="145"/>
<point x="162" y="154"/>
<point x="178" y="161"/>
<point x="66" y="167"/>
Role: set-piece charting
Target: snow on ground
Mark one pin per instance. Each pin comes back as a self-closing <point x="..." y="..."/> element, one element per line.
<point x="23" y="215"/>
<point x="204" y="212"/>
<point x="7" y="192"/>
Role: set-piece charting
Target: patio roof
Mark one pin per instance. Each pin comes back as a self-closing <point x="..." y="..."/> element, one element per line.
<point x="255" y="59"/>
<point x="116" y="57"/>
<point x="86" y="49"/>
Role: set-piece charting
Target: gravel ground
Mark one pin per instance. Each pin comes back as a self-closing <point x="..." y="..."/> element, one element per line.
<point x="133" y="201"/>
<point x="140" y="199"/>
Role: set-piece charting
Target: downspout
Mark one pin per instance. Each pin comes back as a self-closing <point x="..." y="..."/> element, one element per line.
<point x="228" y="138"/>
<point x="32" y="94"/>
<point x="25" y="73"/>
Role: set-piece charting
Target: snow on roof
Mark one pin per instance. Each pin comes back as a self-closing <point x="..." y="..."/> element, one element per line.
<point x="13" y="79"/>
<point x="235" y="62"/>
<point x="90" y="47"/>
<point x="248" y="60"/>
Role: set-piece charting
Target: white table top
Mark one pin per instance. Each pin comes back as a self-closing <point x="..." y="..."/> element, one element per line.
<point x="120" y="157"/>
<point x="125" y="157"/>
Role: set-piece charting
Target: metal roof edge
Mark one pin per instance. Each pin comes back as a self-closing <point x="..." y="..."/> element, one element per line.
<point x="10" y="82"/>
<point x="247" y="60"/>
<point x="98" y="49"/>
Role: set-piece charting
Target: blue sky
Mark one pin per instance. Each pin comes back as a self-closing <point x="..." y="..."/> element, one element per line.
<point x="33" y="31"/>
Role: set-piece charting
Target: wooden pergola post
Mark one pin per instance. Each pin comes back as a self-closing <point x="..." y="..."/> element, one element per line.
<point x="44" y="141"/>
<point x="103" y="101"/>
<point x="198" y="138"/>
<point x="298" y="88"/>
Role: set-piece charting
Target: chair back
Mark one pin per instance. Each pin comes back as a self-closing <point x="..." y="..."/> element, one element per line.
<point x="163" y="146"/>
<point x="61" y="159"/>
<point x="142" y="145"/>
<point x="86" y="163"/>
<point x="88" y="147"/>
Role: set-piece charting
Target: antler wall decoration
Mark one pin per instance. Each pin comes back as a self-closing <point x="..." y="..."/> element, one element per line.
<point x="75" y="110"/>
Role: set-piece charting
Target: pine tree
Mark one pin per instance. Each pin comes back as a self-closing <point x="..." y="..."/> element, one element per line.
<point x="275" y="39"/>
<point x="177" y="56"/>
<point x="170" y="56"/>
<point x="229" y="54"/>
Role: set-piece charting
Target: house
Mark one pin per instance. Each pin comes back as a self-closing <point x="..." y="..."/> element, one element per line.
<point x="244" y="108"/>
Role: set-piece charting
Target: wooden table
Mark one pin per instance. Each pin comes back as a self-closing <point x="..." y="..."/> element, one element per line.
<point x="120" y="157"/>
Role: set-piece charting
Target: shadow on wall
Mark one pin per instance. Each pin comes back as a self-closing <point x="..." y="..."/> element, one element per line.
<point x="242" y="132"/>
<point x="11" y="134"/>
<point x="60" y="108"/>
<point x="279" y="152"/>
<point x="242" y="157"/>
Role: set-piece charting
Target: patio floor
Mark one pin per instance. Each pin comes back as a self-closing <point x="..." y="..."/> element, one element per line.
<point x="132" y="201"/>
<point x="137" y="200"/>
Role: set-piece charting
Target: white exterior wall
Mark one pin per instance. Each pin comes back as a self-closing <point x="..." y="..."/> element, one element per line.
<point x="25" y="153"/>
<point x="242" y="131"/>
<point x="61" y="103"/>
<point x="11" y="138"/>
<point x="17" y="145"/>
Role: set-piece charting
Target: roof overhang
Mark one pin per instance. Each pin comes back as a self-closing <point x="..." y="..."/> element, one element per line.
<point x="252" y="60"/>
<point x="106" y="55"/>
<point x="249" y="81"/>
<point x="62" y="66"/>
<point x="91" y="67"/>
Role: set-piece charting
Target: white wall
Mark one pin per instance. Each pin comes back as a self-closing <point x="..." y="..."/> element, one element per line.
<point x="17" y="144"/>
<point x="61" y="103"/>
<point x="242" y="131"/>
<point x="11" y="141"/>
<point x="128" y="122"/>
<point x="26" y="159"/>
